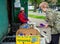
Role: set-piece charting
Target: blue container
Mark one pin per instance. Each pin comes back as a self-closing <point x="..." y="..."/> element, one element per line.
<point x="25" y="26"/>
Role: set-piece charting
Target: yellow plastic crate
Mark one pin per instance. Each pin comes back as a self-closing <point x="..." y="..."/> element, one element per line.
<point x="28" y="39"/>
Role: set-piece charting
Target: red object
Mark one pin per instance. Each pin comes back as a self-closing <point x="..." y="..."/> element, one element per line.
<point x="22" y="18"/>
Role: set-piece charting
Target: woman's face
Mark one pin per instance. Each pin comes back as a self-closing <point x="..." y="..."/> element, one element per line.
<point x="23" y="11"/>
<point x="44" y="8"/>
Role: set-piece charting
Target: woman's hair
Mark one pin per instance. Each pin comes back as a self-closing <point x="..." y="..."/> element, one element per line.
<point x="43" y="4"/>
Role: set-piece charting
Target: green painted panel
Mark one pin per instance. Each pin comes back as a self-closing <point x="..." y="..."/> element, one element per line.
<point x="3" y="18"/>
<point x="24" y="3"/>
<point x="17" y="10"/>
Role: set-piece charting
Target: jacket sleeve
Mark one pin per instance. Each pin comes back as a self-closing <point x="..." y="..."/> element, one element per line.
<point x="22" y="18"/>
<point x="50" y="18"/>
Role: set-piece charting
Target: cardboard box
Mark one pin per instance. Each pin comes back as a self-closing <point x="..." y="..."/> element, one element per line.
<point x="28" y="39"/>
<point x="27" y="36"/>
<point x="29" y="31"/>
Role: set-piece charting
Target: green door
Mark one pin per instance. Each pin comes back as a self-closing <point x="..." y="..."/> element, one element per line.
<point x="3" y="18"/>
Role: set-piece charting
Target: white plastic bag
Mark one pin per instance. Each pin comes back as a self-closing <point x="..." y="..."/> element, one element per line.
<point x="47" y="35"/>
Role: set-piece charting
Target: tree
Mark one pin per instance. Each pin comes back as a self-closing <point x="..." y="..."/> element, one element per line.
<point x="58" y="2"/>
<point x="35" y="3"/>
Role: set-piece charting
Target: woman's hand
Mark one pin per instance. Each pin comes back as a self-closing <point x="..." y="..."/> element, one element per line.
<point x="46" y="25"/>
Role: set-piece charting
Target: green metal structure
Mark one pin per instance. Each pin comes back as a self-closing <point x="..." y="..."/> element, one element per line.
<point x="58" y="2"/>
<point x="24" y="3"/>
<point x="4" y="15"/>
<point x="3" y="18"/>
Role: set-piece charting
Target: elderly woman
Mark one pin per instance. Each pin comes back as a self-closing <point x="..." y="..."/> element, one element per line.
<point x="51" y="18"/>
